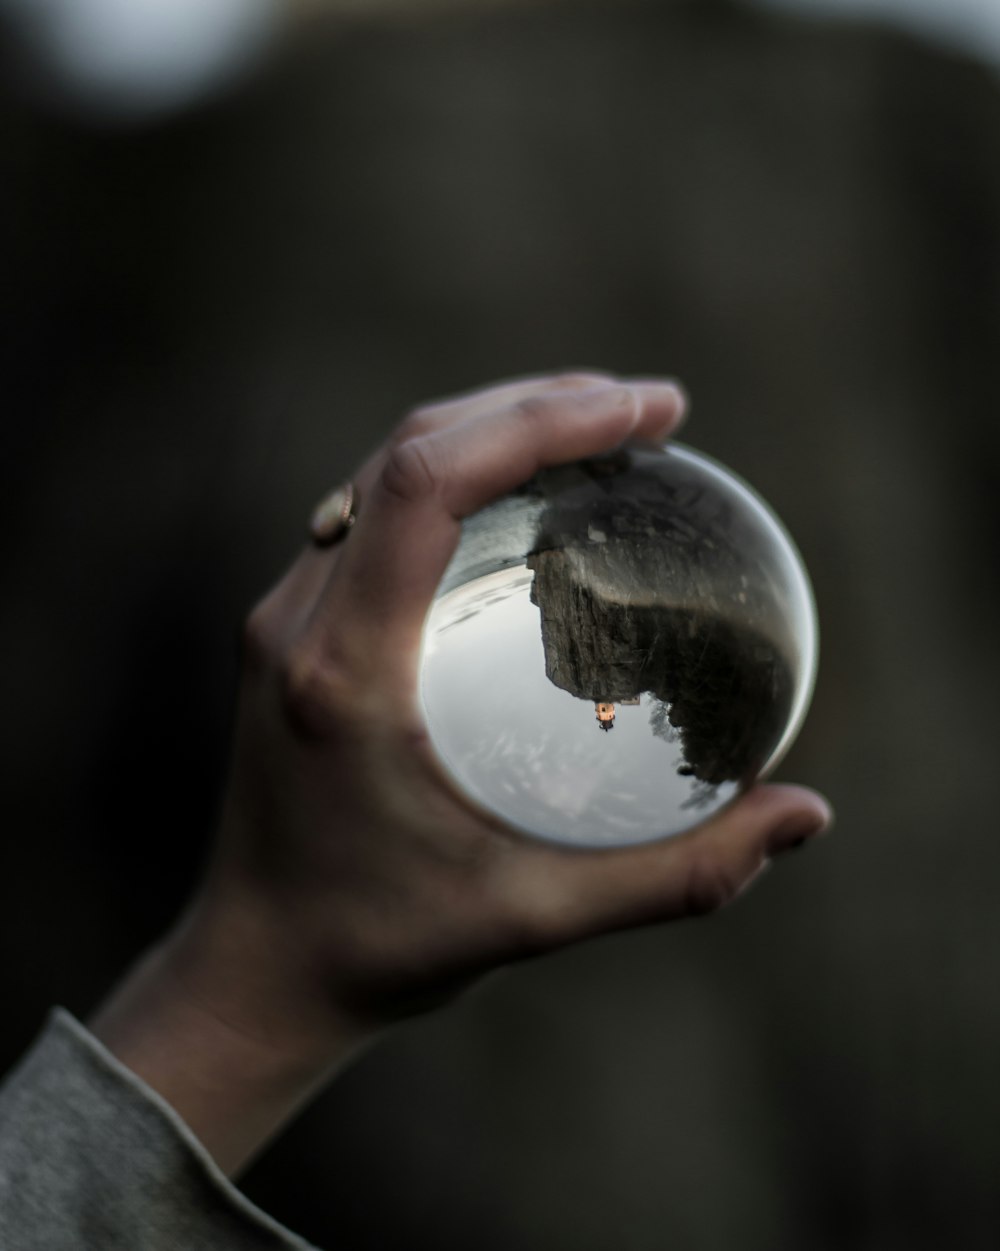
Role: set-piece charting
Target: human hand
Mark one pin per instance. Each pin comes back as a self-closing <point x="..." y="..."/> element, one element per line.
<point x="352" y="883"/>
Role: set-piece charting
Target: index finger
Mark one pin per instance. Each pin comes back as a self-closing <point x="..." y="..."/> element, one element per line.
<point x="387" y="572"/>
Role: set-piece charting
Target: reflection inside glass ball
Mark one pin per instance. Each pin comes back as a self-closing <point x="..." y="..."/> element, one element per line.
<point x="618" y="649"/>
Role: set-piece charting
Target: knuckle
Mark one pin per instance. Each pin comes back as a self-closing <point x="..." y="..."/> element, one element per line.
<point x="527" y="931"/>
<point x="711" y="884"/>
<point x="532" y="408"/>
<point x="537" y="920"/>
<point x="258" y="638"/>
<point x="316" y="692"/>
<point x="409" y="472"/>
<point x="417" y="421"/>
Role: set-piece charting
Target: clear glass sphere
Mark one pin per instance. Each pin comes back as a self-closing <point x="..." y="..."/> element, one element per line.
<point x="619" y="648"/>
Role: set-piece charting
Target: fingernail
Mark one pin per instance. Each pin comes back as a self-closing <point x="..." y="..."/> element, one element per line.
<point x="661" y="385"/>
<point x="683" y="398"/>
<point x="664" y="392"/>
<point x="618" y="396"/>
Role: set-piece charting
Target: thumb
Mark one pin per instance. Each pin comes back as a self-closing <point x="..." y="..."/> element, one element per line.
<point x="573" y="895"/>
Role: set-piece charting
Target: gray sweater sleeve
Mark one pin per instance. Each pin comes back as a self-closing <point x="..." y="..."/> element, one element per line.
<point x="90" y="1157"/>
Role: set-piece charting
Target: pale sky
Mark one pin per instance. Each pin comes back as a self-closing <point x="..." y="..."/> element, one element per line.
<point x="533" y="753"/>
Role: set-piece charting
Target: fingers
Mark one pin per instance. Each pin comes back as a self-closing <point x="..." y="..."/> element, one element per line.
<point x="284" y="612"/>
<point x="385" y="575"/>
<point x="669" y="405"/>
<point x="440" y="415"/>
<point x="570" y="896"/>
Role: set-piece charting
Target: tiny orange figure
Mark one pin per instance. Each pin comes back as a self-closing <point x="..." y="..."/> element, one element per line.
<point x="605" y="716"/>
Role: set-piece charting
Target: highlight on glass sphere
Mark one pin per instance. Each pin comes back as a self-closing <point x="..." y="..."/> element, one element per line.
<point x="619" y="648"/>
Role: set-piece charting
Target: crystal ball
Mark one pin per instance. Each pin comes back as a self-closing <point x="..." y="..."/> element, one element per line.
<point x="619" y="648"/>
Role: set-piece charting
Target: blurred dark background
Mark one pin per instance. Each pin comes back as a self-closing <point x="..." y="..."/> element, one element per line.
<point x="210" y="312"/>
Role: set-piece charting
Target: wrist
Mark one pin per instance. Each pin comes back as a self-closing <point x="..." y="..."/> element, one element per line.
<point x="223" y="1020"/>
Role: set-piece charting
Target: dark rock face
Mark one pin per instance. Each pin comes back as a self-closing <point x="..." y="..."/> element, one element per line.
<point x="650" y="579"/>
<point x="725" y="689"/>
